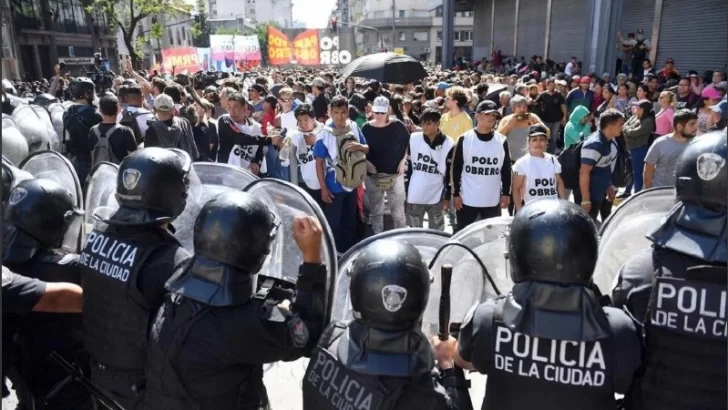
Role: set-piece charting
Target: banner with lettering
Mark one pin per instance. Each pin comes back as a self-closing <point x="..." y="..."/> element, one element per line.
<point x="311" y="47"/>
<point x="227" y="51"/>
<point x="279" y="47"/>
<point x="180" y="59"/>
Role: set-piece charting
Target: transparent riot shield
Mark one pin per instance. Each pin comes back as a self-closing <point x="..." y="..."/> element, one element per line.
<point x="622" y="235"/>
<point x="54" y="166"/>
<point x="15" y="146"/>
<point x="35" y="125"/>
<point x="101" y="191"/>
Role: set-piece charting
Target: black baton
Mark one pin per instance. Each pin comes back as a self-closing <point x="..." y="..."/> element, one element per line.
<point x="76" y="374"/>
<point x="443" y="330"/>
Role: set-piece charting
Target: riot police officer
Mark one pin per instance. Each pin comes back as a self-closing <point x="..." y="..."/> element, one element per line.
<point x="77" y="122"/>
<point x="191" y="365"/>
<point x="549" y="344"/>
<point x="38" y="215"/>
<point x="11" y="176"/>
<point x="381" y="359"/>
<point x="677" y="289"/>
<point x="126" y="262"/>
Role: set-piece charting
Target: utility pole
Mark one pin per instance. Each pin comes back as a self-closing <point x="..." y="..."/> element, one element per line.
<point x="394" y="37"/>
<point x="448" y="32"/>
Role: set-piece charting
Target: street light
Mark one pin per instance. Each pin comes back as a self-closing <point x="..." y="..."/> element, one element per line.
<point x="379" y="33"/>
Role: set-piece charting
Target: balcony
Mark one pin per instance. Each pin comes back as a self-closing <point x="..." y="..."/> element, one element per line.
<point x="404" y="18"/>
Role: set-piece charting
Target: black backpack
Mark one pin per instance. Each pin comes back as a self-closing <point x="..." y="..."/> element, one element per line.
<point x="570" y="160"/>
<point x="637" y="52"/>
<point x="129" y="119"/>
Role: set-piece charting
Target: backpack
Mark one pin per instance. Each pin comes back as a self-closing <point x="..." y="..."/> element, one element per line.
<point x="351" y="167"/>
<point x="570" y="160"/>
<point x="102" y="151"/>
<point x="129" y="119"/>
<point x="622" y="173"/>
<point x="637" y="52"/>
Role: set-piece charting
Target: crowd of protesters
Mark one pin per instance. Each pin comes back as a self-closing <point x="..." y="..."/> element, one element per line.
<point x="457" y="146"/>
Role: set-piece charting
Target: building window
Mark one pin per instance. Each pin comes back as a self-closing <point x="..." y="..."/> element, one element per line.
<point x="467" y="14"/>
<point x="366" y="37"/>
<point x="438" y="12"/>
<point x="456" y="36"/>
<point x="401" y="13"/>
<point x="171" y="36"/>
<point x="184" y="34"/>
<point x="419" y="36"/>
<point x="439" y="35"/>
<point x="402" y="36"/>
<point x="466" y="35"/>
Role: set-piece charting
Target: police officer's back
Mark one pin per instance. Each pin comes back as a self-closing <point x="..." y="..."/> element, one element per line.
<point x="126" y="262"/>
<point x="677" y="289"/>
<point x="549" y="344"/>
<point x="214" y="332"/>
<point x="37" y="216"/>
<point x="77" y="121"/>
<point x="381" y="359"/>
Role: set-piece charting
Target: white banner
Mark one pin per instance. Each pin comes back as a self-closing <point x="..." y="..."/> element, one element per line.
<point x="226" y="50"/>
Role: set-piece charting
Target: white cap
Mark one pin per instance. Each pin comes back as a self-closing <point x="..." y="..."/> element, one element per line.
<point x="381" y="104"/>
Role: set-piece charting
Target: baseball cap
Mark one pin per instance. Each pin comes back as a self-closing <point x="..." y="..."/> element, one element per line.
<point x="538" y="129"/>
<point x="443" y="85"/>
<point x="584" y="80"/>
<point x="561" y="82"/>
<point x="721" y="108"/>
<point x="487" y="107"/>
<point x="723" y="85"/>
<point x="318" y="82"/>
<point x="575" y="78"/>
<point x="670" y="61"/>
<point x="381" y="105"/>
<point x="711" y="92"/>
<point x="163" y="103"/>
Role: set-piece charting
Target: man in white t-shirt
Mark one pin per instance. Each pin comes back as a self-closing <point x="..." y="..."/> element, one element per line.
<point x="428" y="172"/>
<point x="302" y="140"/>
<point x="537" y="175"/>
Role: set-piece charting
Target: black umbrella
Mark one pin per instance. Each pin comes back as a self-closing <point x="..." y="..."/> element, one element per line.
<point x="387" y="68"/>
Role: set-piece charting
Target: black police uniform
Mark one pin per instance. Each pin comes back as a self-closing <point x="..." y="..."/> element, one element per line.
<point x="381" y="360"/>
<point x="214" y="333"/>
<point x="20" y="293"/>
<point x="677" y="290"/>
<point x="77" y="122"/>
<point x="126" y="262"/>
<point x="36" y="220"/>
<point x="549" y="344"/>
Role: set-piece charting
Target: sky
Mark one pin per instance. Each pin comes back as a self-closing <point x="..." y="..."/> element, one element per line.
<point x="314" y="13"/>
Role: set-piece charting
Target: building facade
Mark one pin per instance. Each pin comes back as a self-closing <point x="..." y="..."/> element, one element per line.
<point x="177" y="25"/>
<point x="403" y="26"/>
<point x="587" y="30"/>
<point x="463" y="35"/>
<point x="48" y="32"/>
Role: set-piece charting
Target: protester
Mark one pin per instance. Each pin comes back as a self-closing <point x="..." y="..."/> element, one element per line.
<point x="662" y="157"/>
<point x="537" y="175"/>
<point x="637" y="132"/>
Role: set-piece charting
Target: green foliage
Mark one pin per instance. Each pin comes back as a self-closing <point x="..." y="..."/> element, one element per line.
<point x="228" y="31"/>
<point x="128" y="13"/>
<point x="201" y="29"/>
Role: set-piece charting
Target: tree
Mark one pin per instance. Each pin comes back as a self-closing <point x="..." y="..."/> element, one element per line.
<point x="128" y="13"/>
<point x="201" y="29"/>
<point x="261" y="31"/>
<point x="228" y="31"/>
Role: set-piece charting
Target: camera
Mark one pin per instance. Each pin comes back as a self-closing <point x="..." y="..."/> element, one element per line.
<point x="101" y="75"/>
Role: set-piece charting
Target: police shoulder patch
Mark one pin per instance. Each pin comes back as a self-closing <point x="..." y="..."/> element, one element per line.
<point x="299" y="332"/>
<point x="709" y="165"/>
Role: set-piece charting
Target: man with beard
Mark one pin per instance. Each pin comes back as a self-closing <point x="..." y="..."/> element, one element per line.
<point x="661" y="160"/>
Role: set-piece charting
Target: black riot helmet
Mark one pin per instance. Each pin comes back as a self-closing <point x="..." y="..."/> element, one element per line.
<point x="701" y="175"/>
<point x="151" y="186"/>
<point x="553" y="241"/>
<point x="45" y="100"/>
<point x="236" y="229"/>
<point x="43" y="209"/>
<point x="390" y="285"/>
<point x="696" y="225"/>
<point x="12" y="176"/>
<point x="82" y="88"/>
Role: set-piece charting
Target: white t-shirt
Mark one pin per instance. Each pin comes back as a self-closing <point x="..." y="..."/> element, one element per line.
<point x="540" y="176"/>
<point x="428" y="170"/>
<point x="141" y="119"/>
<point x="304" y="158"/>
<point x="482" y="162"/>
<point x="243" y="156"/>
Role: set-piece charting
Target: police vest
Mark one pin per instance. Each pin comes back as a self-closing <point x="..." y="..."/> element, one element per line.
<point x="428" y="170"/>
<point x="482" y="163"/>
<point x="685" y="330"/>
<point x="167" y="382"/>
<point x="527" y="372"/>
<point x="306" y="161"/>
<point x="328" y="385"/>
<point x="45" y="332"/>
<point x="116" y="315"/>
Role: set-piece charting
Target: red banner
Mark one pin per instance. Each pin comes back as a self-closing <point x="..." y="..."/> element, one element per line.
<point x="303" y="50"/>
<point x="182" y="59"/>
<point x="279" y="47"/>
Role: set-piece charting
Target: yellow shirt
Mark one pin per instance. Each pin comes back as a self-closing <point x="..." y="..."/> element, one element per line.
<point x="455" y="127"/>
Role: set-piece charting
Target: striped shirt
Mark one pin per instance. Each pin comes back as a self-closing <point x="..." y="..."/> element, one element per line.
<point x="600" y="153"/>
